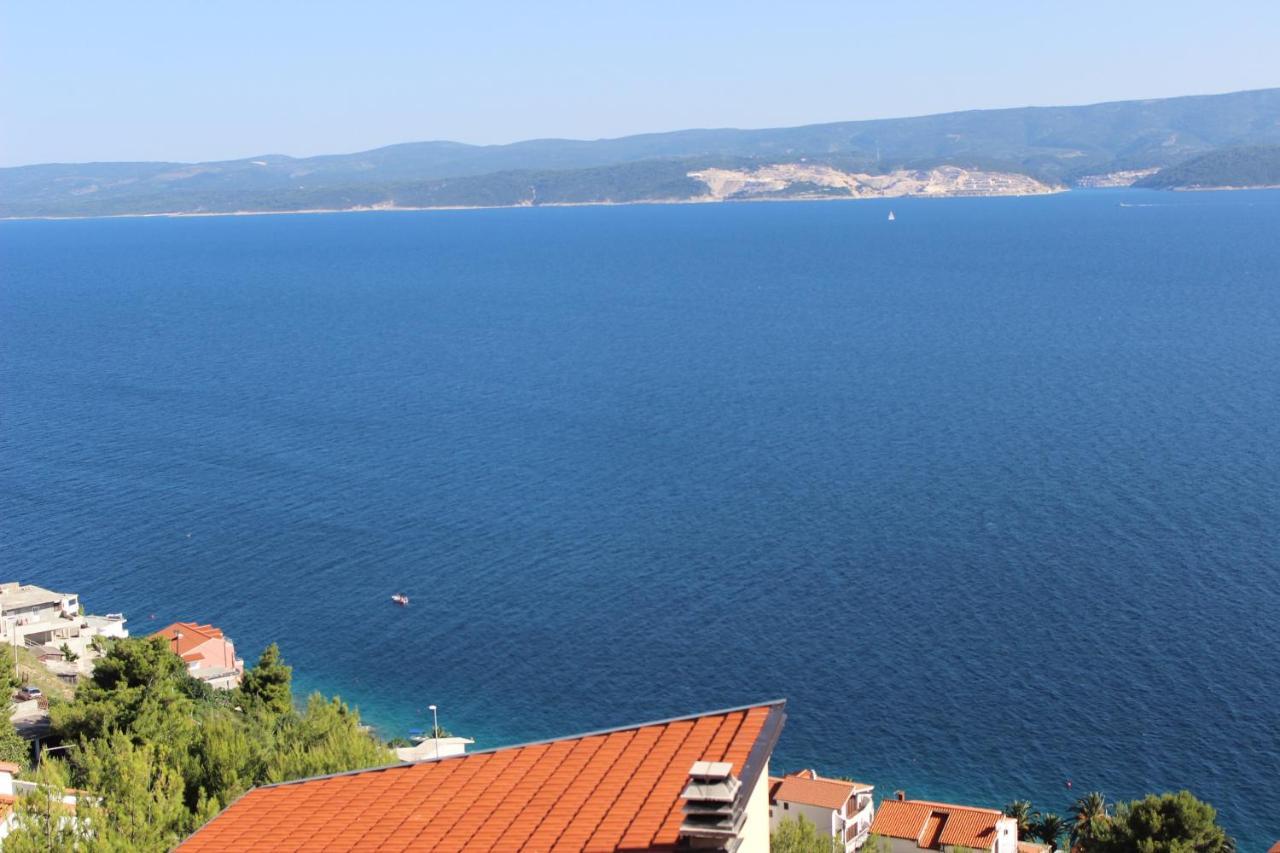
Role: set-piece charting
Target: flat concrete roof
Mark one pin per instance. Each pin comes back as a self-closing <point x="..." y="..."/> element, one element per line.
<point x="14" y="596"/>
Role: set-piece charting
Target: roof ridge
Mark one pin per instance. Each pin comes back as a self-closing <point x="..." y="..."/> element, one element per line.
<point x="936" y="804"/>
<point x="400" y="765"/>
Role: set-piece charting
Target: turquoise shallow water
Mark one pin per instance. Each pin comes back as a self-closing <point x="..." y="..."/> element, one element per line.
<point x="990" y="493"/>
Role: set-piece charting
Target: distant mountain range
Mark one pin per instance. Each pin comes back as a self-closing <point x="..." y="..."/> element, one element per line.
<point x="1152" y="141"/>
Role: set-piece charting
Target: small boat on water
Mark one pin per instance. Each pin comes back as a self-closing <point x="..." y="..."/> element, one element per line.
<point x="401" y="599"/>
<point x="891" y="216"/>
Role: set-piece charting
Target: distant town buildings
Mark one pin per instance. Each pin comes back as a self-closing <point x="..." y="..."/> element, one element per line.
<point x="838" y="808"/>
<point x="209" y="654"/>
<point x="911" y="825"/>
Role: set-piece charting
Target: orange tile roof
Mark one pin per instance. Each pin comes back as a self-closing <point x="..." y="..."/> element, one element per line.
<point x="807" y="787"/>
<point x="192" y="635"/>
<point x="617" y="789"/>
<point x="933" y="824"/>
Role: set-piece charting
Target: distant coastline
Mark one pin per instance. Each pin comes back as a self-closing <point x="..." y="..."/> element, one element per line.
<point x="1155" y="144"/>
<point x="460" y="207"/>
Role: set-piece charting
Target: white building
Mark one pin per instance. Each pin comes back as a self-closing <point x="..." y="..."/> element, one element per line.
<point x="912" y="825"/>
<point x="837" y="807"/>
<point x="32" y="616"/>
<point x="11" y="789"/>
<point x="429" y="748"/>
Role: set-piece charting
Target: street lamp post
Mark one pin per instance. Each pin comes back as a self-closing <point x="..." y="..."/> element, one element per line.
<point x="435" y="729"/>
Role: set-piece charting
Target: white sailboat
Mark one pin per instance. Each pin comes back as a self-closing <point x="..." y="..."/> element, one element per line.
<point x="891" y="216"/>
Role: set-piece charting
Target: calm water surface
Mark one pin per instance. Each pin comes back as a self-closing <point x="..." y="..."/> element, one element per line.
<point x="991" y="493"/>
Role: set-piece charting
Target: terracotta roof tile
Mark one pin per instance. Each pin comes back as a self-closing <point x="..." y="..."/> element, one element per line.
<point x="933" y="824"/>
<point x="591" y="792"/>
<point x="809" y="788"/>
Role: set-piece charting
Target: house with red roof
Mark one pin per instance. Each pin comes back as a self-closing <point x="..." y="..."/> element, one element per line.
<point x="699" y="782"/>
<point x="839" y="808"/>
<point x="911" y="825"/>
<point x="209" y="654"/>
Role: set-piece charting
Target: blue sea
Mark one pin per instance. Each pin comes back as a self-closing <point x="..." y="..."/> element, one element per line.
<point x="991" y="493"/>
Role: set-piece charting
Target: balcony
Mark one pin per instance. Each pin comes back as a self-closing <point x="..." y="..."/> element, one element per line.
<point x="855" y="833"/>
<point x="858" y="807"/>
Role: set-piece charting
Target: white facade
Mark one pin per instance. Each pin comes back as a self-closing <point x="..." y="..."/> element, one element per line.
<point x="31" y="616"/>
<point x="850" y="822"/>
<point x="755" y="830"/>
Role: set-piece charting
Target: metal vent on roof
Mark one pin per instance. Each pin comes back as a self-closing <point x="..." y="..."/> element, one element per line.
<point x="713" y="810"/>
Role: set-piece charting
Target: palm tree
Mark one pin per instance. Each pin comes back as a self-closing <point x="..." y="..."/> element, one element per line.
<point x="1020" y="810"/>
<point x="1049" y="829"/>
<point x="1090" y="812"/>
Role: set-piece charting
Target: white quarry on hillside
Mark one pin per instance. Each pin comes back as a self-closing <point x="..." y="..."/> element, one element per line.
<point x="806" y="180"/>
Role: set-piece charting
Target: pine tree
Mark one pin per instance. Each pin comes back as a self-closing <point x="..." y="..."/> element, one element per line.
<point x="269" y="683"/>
<point x="1167" y="823"/>
<point x="41" y="821"/>
<point x="12" y="746"/>
<point x="326" y="738"/>
<point x="163" y="752"/>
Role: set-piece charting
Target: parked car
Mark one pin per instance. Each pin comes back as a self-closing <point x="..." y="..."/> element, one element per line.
<point x="30" y="692"/>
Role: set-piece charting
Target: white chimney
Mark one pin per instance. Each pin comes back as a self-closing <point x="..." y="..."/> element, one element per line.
<point x="713" y="810"/>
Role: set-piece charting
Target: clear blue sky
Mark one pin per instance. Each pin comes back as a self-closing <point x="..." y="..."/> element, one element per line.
<point x="188" y="80"/>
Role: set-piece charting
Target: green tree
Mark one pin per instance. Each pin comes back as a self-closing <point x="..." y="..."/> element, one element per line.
<point x="269" y="683"/>
<point x="68" y="655"/>
<point x="137" y="801"/>
<point x="801" y="836"/>
<point x="326" y="738"/>
<point x="140" y="686"/>
<point x="12" y="746"/>
<point x="9" y="682"/>
<point x="1089" y="815"/>
<point x="163" y="752"/>
<point x="1020" y="810"/>
<point x="1164" y="823"/>
<point x="1049" y="828"/>
<point x="41" y="821"/>
<point x="876" y="844"/>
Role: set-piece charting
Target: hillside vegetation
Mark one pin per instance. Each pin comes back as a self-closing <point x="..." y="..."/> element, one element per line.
<point x="1253" y="166"/>
<point x="1053" y="145"/>
<point x="161" y="752"/>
